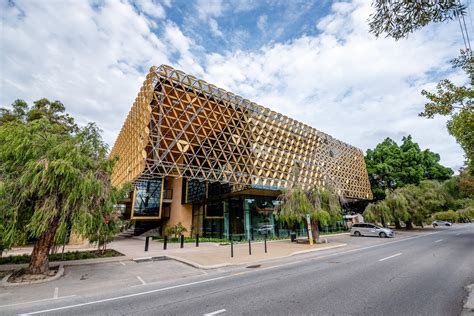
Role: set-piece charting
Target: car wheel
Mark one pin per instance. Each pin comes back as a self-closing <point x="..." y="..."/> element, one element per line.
<point x="383" y="235"/>
<point x="357" y="234"/>
<point x="434" y="225"/>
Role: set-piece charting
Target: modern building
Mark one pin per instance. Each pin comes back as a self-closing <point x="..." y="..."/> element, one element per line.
<point x="216" y="162"/>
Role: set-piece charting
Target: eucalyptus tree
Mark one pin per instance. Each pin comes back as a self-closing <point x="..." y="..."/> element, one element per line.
<point x="53" y="174"/>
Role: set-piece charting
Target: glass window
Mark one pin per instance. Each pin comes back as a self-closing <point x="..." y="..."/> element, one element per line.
<point x="148" y="198"/>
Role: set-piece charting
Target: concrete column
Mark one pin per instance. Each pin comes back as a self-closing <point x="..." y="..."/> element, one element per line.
<point x="226" y="219"/>
<point x="247" y="225"/>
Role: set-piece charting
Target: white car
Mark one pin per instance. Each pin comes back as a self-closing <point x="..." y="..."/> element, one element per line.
<point x="366" y="229"/>
<point x="265" y="229"/>
<point x="441" y="223"/>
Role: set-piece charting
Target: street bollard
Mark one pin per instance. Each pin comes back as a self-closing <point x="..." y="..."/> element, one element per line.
<point x="250" y="247"/>
<point x="231" y="248"/>
<point x="147" y="241"/>
<point x="165" y="242"/>
<point x="265" y="240"/>
<point x="197" y="240"/>
<point x="182" y="241"/>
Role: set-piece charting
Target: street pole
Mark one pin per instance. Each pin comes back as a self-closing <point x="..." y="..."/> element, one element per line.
<point x="147" y="241"/>
<point x="310" y="232"/>
<point x="265" y="239"/>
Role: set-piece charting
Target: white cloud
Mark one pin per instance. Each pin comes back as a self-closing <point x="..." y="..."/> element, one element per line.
<point x="262" y="23"/>
<point x="209" y="8"/>
<point x="342" y="81"/>
<point x="215" y="28"/>
<point x="151" y="8"/>
<point x="347" y="83"/>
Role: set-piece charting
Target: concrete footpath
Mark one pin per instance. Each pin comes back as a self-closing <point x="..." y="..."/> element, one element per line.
<point x="213" y="255"/>
<point x="206" y="256"/>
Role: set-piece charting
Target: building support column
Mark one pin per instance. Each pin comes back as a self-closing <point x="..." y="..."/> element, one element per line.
<point x="226" y="220"/>
<point x="247" y="225"/>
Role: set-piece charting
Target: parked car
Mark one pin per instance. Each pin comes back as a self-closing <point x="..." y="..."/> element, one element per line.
<point x="265" y="229"/>
<point x="441" y="223"/>
<point x="366" y="229"/>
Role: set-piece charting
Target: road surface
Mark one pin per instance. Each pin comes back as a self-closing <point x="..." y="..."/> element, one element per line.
<point x="423" y="274"/>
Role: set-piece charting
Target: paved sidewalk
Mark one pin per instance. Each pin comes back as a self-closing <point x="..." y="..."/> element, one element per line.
<point x="212" y="255"/>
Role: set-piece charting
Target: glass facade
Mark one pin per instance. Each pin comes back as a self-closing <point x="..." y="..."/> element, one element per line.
<point x="240" y="218"/>
<point x="147" y="203"/>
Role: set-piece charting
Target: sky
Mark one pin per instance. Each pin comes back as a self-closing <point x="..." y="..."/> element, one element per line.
<point x="314" y="61"/>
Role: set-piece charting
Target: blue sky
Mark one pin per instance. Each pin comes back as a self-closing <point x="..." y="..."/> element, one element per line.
<point x="311" y="60"/>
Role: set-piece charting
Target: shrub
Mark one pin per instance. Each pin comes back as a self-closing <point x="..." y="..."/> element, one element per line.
<point x="176" y="230"/>
<point x="450" y="216"/>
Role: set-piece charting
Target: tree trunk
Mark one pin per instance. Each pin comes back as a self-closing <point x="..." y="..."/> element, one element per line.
<point x="39" y="263"/>
<point x="409" y="225"/>
<point x="397" y="224"/>
<point x="315" y="229"/>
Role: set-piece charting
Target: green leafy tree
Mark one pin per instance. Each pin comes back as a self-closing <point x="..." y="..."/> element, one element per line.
<point x="450" y="216"/>
<point x="390" y="166"/>
<point x="53" y="174"/>
<point x="378" y="212"/>
<point x="398" y="205"/>
<point x="398" y="19"/>
<point x="456" y="102"/>
<point x="320" y="203"/>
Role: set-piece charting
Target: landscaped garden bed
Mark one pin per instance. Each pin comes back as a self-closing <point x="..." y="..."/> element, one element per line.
<point x="74" y="255"/>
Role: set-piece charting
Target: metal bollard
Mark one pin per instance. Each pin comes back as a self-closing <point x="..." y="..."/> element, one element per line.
<point x="250" y="247"/>
<point x="197" y="240"/>
<point x="165" y="242"/>
<point x="231" y="248"/>
<point x="182" y="241"/>
<point x="265" y="240"/>
<point x="147" y="241"/>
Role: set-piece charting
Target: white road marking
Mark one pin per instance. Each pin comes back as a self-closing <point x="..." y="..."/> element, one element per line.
<point x="36" y="301"/>
<point x="392" y="256"/>
<point x="122" y="263"/>
<point x="458" y="234"/>
<point x="141" y="280"/>
<point x="56" y="292"/>
<point x="215" y="313"/>
<point x="438" y="240"/>
<point x="124" y="296"/>
<point x="282" y="265"/>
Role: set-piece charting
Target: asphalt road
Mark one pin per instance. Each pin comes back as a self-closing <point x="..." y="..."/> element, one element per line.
<point x="420" y="275"/>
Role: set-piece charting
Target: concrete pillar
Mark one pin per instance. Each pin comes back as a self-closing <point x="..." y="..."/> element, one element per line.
<point x="247" y="225"/>
<point x="226" y="220"/>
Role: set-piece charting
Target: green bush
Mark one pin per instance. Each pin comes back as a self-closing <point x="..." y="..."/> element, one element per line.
<point x="176" y="230"/>
<point x="450" y="216"/>
<point x="74" y="255"/>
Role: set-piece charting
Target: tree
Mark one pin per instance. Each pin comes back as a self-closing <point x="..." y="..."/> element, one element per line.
<point x="390" y="166"/>
<point x="53" y="174"/>
<point x="450" y="216"/>
<point x="398" y="19"/>
<point x="378" y="212"/>
<point x="456" y="102"/>
<point x="398" y="205"/>
<point x="322" y="204"/>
